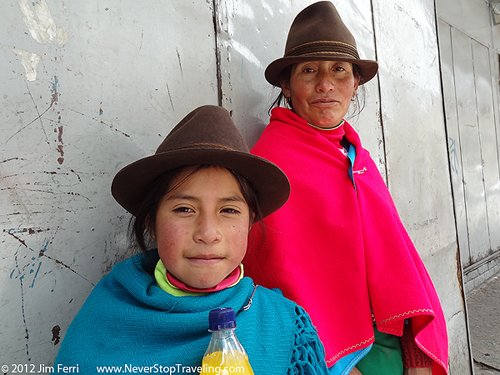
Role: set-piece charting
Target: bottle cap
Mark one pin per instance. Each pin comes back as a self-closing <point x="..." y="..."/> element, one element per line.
<point x="221" y="318"/>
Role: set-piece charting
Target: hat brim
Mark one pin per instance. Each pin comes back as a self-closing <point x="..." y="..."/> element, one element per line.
<point x="273" y="71"/>
<point x="133" y="181"/>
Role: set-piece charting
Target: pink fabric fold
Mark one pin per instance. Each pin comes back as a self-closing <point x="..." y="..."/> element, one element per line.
<point x="344" y="247"/>
<point x="230" y="280"/>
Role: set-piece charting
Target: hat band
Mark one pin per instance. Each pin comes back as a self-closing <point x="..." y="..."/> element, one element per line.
<point x="200" y="145"/>
<point x="324" y="48"/>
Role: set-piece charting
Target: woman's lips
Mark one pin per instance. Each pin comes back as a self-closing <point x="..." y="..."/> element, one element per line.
<point x="323" y="101"/>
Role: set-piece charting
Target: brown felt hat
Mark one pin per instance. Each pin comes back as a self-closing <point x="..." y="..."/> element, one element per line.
<point x="318" y="33"/>
<point x="207" y="135"/>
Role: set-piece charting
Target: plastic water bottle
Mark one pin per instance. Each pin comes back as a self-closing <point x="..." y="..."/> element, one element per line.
<point x="225" y="354"/>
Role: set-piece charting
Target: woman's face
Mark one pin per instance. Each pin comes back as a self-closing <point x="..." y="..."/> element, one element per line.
<point x="321" y="91"/>
<point x="202" y="227"/>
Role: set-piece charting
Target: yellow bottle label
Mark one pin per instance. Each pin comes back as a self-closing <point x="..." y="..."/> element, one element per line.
<point x="220" y="363"/>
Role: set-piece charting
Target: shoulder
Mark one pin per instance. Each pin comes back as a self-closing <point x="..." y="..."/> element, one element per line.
<point x="271" y="306"/>
<point x="284" y="308"/>
<point x="274" y="296"/>
<point x="273" y="321"/>
<point x="126" y="281"/>
<point x="307" y="351"/>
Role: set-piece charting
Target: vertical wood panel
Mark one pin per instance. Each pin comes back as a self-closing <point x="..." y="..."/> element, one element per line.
<point x="454" y="144"/>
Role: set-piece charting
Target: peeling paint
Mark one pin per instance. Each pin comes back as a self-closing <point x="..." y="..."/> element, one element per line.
<point x="29" y="61"/>
<point x="40" y="23"/>
<point x="56" y="330"/>
<point x="59" y="134"/>
<point x="60" y="159"/>
<point x="60" y="146"/>
<point x="54" y="87"/>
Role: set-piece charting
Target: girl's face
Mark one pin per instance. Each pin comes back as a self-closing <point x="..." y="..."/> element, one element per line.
<point x="321" y="91"/>
<point x="202" y="227"/>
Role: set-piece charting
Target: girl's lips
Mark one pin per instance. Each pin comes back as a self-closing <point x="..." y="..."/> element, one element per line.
<point x="205" y="259"/>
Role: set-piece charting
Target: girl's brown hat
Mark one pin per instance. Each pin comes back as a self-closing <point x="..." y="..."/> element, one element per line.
<point x="318" y="33"/>
<point x="207" y="135"/>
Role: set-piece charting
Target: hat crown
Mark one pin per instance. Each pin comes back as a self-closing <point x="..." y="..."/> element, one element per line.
<point x="317" y="26"/>
<point x="206" y="136"/>
<point x="208" y="126"/>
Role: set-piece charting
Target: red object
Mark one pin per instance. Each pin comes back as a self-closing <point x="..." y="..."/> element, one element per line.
<point x="230" y="280"/>
<point x="413" y="356"/>
<point x="339" y="251"/>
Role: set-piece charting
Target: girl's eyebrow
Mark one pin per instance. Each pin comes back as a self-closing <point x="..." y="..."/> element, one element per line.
<point x="228" y="199"/>
<point x="233" y="198"/>
<point x="178" y="196"/>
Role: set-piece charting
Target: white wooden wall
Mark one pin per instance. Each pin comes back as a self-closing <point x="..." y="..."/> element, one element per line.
<point x="88" y="86"/>
<point x="470" y="50"/>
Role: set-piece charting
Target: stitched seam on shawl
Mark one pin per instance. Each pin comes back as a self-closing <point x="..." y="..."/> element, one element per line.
<point x="405" y="314"/>
<point x="430" y="354"/>
<point x="339" y="354"/>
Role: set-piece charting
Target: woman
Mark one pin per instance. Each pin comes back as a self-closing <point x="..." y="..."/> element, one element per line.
<point x="194" y="201"/>
<point x="338" y="247"/>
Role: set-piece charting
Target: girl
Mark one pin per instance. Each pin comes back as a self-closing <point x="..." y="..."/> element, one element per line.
<point x="195" y="200"/>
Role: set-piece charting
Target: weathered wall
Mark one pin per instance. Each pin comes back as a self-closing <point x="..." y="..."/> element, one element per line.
<point x="470" y="57"/>
<point x="114" y="77"/>
<point x="403" y="126"/>
<point x="105" y="82"/>
<point x="415" y="144"/>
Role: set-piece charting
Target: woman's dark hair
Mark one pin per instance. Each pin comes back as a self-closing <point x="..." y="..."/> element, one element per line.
<point x="359" y="99"/>
<point x="142" y="225"/>
<point x="281" y="101"/>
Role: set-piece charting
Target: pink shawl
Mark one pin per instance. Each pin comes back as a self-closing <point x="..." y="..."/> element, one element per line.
<point x="341" y="251"/>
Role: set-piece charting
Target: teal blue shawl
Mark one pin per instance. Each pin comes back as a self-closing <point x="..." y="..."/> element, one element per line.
<point x="129" y="321"/>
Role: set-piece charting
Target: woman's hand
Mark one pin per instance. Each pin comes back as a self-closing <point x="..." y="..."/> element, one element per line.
<point x="355" y="371"/>
<point x="418" y="371"/>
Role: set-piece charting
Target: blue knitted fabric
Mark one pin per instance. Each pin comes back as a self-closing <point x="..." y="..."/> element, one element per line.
<point x="129" y="321"/>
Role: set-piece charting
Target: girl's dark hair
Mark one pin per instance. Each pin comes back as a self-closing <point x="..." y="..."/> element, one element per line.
<point x="142" y="225"/>
<point x="281" y="101"/>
